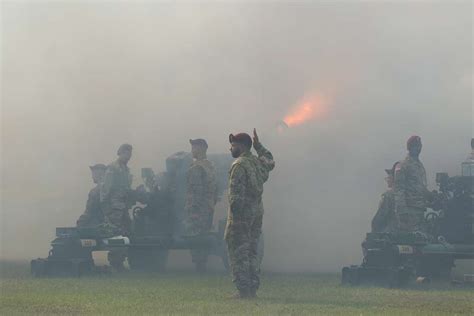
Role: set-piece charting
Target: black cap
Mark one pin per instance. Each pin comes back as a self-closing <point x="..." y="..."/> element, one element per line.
<point x="99" y="166"/>
<point x="124" y="147"/>
<point x="198" y="142"/>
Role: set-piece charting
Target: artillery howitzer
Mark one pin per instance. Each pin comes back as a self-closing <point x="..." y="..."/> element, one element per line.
<point x="157" y="227"/>
<point x="71" y="250"/>
<point x="395" y="258"/>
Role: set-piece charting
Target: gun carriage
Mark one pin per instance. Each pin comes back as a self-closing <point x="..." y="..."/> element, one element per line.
<point x="395" y="258"/>
<point x="157" y="227"/>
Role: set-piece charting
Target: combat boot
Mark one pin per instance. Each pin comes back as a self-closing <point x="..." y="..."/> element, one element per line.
<point x="116" y="261"/>
<point x="253" y="293"/>
<point x="241" y="294"/>
<point x="118" y="267"/>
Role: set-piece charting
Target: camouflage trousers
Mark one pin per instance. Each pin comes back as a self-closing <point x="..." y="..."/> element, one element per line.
<point x="384" y="222"/>
<point x="242" y="235"/>
<point x="120" y="220"/>
<point x="200" y="223"/>
<point x="411" y="219"/>
<point x="87" y="220"/>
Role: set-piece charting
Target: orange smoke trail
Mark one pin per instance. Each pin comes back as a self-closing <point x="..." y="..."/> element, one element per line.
<point x="307" y="111"/>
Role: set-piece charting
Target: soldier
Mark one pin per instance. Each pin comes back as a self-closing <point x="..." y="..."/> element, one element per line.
<point x="93" y="215"/>
<point x="385" y="219"/>
<point x="201" y="197"/>
<point x="115" y="196"/>
<point x="411" y="193"/>
<point x="248" y="173"/>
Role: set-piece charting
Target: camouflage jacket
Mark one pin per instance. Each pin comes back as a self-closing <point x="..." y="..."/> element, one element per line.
<point x="201" y="194"/>
<point x="93" y="213"/>
<point x="385" y="218"/>
<point x="410" y="184"/>
<point x="116" y="188"/>
<point x="248" y="173"/>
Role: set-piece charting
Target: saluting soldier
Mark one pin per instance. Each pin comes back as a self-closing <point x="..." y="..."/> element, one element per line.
<point x="248" y="173"/>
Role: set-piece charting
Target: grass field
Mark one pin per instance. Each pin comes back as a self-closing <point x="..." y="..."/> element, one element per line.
<point x="188" y="293"/>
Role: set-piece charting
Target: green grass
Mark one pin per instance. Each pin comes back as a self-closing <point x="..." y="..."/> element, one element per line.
<point x="187" y="293"/>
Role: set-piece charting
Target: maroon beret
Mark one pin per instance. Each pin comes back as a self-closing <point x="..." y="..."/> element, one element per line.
<point x="241" y="138"/>
<point x="413" y="140"/>
<point x="198" y="142"/>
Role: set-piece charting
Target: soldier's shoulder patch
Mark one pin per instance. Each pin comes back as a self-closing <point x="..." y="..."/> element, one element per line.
<point x="238" y="164"/>
<point x="237" y="161"/>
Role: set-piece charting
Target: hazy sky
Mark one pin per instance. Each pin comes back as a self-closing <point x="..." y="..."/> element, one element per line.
<point x="80" y="78"/>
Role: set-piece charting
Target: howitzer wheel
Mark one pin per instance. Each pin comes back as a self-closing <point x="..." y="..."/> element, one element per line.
<point x="350" y="275"/>
<point x="38" y="267"/>
<point x="61" y="268"/>
<point x="437" y="267"/>
<point x="392" y="277"/>
<point x="84" y="267"/>
<point x="398" y="277"/>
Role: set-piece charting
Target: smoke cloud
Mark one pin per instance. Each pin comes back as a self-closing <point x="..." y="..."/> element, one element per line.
<point x="78" y="79"/>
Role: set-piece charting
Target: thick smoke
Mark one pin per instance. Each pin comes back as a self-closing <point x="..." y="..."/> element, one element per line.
<point x="79" y="79"/>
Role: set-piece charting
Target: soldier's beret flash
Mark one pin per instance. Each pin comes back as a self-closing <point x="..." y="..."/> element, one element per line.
<point x="98" y="166"/>
<point x="198" y="142"/>
<point x="124" y="147"/>
<point x="241" y="138"/>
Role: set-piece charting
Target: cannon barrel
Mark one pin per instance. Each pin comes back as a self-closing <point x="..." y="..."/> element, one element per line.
<point x="457" y="251"/>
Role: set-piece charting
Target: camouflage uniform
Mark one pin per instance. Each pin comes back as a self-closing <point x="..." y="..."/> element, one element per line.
<point x="93" y="215"/>
<point x="410" y="194"/>
<point x="115" y="196"/>
<point x="385" y="219"/>
<point x="244" y="222"/>
<point x="201" y="198"/>
<point x="115" y="199"/>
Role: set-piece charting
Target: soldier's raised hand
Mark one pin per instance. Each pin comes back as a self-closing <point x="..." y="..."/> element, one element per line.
<point x="255" y="137"/>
